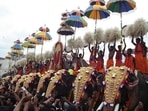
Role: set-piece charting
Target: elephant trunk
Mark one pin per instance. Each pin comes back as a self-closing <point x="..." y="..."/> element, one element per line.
<point x="100" y="106"/>
<point x="116" y="107"/>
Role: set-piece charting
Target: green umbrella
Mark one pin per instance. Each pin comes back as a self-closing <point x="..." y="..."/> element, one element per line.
<point x="120" y="6"/>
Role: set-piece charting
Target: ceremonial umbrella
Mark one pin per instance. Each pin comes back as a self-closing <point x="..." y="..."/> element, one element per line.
<point x="13" y="55"/>
<point x="121" y="6"/>
<point x="8" y="56"/>
<point x="94" y="2"/>
<point x="18" y="52"/>
<point x="33" y="40"/>
<point x="44" y="29"/>
<point x="65" y="30"/>
<point x="76" y="21"/>
<point x="97" y="12"/>
<point x="28" y="45"/>
<point x="17" y="46"/>
<point x="77" y="12"/>
<point x="65" y="15"/>
<point x="43" y="36"/>
<point x="18" y="41"/>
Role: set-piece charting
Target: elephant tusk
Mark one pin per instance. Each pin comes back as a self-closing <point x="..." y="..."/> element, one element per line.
<point x="100" y="106"/>
<point x="116" y="107"/>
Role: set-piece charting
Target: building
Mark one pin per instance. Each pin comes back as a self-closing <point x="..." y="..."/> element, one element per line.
<point x="5" y="65"/>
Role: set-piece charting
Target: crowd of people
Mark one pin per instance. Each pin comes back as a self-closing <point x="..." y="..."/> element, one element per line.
<point x="30" y="101"/>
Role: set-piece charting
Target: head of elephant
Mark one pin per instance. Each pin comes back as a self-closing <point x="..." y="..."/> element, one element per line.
<point x="115" y="80"/>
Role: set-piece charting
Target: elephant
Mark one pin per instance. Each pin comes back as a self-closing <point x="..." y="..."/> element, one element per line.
<point x="124" y="90"/>
<point x="142" y="91"/>
<point x="44" y="81"/>
<point x="29" y="81"/>
<point x="88" y="88"/>
<point x="60" y="84"/>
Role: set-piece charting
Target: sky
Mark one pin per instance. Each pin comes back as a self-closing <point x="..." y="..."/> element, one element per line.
<point x="20" y="18"/>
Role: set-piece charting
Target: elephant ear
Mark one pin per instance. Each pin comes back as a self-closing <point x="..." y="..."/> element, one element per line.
<point x="113" y="79"/>
<point x="42" y="79"/>
<point x="53" y="80"/>
<point x="80" y="81"/>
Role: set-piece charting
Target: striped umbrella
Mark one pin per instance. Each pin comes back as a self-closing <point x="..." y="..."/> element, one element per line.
<point x="76" y="20"/>
<point x="65" y="30"/>
<point x="43" y="35"/>
<point x="121" y="6"/>
<point x="65" y="15"/>
<point x="34" y="41"/>
<point x="97" y="12"/>
<point x="28" y="45"/>
<point x="17" y="46"/>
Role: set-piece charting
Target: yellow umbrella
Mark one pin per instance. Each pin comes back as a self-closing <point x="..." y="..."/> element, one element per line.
<point x="33" y="40"/>
<point x="18" y="52"/>
<point x="8" y="56"/>
<point x="43" y="35"/>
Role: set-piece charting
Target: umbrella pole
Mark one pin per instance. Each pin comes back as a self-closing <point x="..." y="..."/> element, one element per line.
<point x="121" y="28"/>
<point x="41" y="52"/>
<point x="74" y="33"/>
<point x="65" y="41"/>
<point x="95" y="27"/>
<point x="95" y="32"/>
<point x="121" y="22"/>
<point x="34" y="52"/>
<point x="27" y="55"/>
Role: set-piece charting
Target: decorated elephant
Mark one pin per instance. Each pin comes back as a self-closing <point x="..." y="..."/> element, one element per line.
<point x="29" y="81"/>
<point x="123" y="90"/>
<point x="60" y="84"/>
<point x="88" y="88"/>
<point x="44" y="81"/>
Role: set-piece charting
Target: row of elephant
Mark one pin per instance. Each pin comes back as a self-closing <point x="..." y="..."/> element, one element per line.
<point x="116" y="90"/>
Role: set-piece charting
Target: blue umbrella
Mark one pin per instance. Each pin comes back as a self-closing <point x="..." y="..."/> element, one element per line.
<point x="42" y="35"/>
<point x="17" y="46"/>
<point x="76" y="21"/>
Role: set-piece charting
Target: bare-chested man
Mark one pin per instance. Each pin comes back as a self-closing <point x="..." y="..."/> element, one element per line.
<point x="111" y="49"/>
